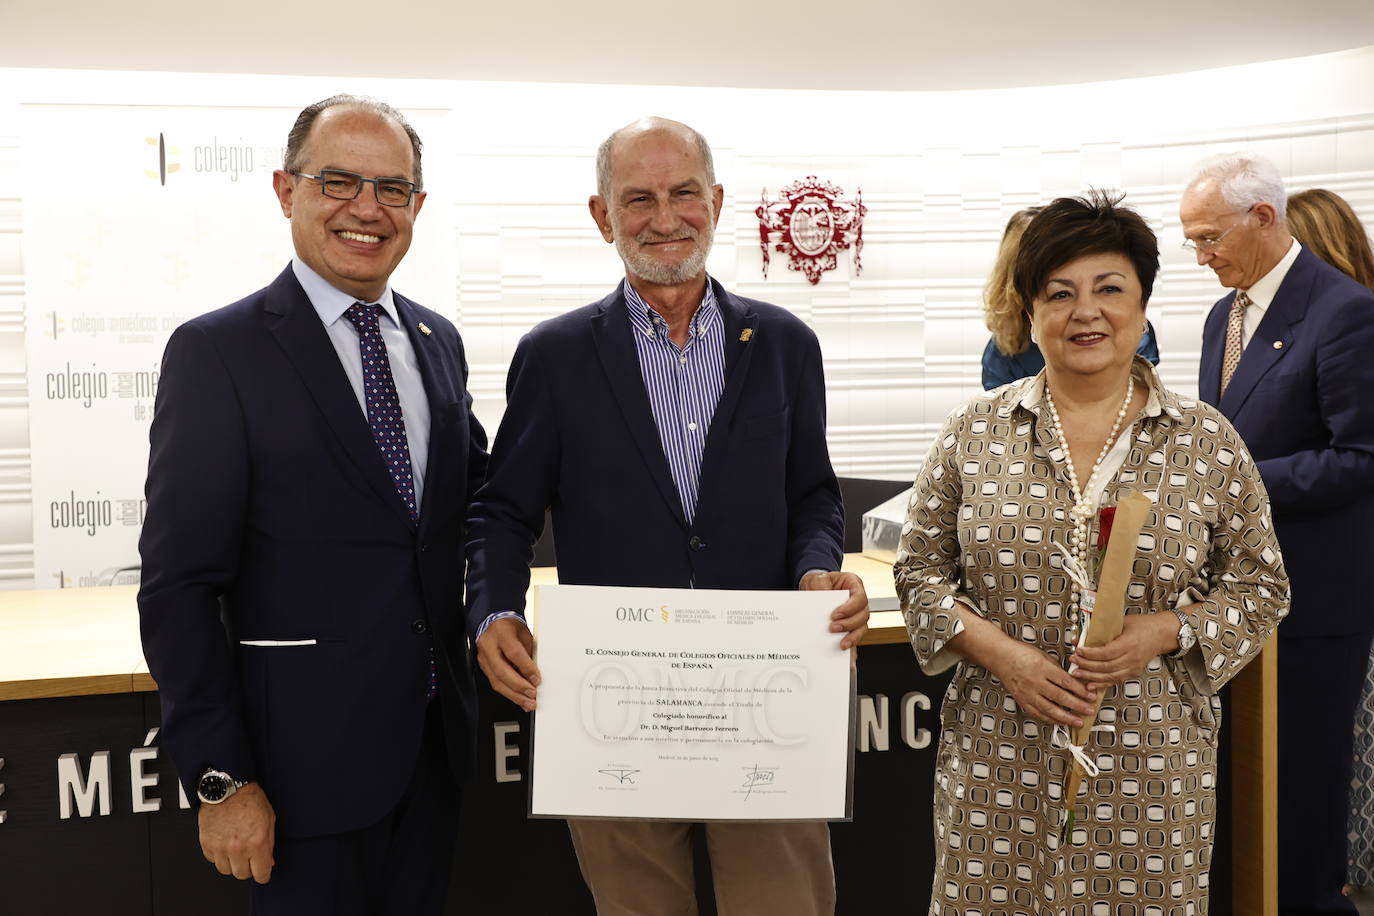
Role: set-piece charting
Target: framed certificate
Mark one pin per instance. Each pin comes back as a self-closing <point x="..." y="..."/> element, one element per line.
<point x="690" y="704"/>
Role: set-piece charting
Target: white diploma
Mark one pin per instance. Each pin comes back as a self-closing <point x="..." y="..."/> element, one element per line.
<point x="690" y="704"/>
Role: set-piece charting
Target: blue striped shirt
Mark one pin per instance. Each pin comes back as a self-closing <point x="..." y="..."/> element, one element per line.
<point x="684" y="387"/>
<point x="683" y="384"/>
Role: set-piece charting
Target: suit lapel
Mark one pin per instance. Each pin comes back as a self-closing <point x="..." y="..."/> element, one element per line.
<point x="616" y="349"/>
<point x="439" y="414"/>
<point x="1273" y="339"/>
<point x="739" y="350"/>
<point x="292" y="320"/>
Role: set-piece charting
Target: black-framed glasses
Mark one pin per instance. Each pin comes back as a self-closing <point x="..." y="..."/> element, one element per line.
<point x="1207" y="246"/>
<point x="341" y="185"/>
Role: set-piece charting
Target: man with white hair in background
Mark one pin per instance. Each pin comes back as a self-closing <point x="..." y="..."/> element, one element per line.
<point x="1288" y="357"/>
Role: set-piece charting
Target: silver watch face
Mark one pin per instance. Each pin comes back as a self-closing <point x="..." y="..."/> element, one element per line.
<point x="1186" y="636"/>
<point x="214" y="787"/>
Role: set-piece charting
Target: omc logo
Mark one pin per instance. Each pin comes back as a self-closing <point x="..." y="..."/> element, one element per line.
<point x="163" y="166"/>
<point x="641" y="614"/>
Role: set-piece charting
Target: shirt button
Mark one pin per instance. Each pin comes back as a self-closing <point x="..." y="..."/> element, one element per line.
<point x="419" y="627"/>
<point x="682" y="359"/>
<point x="696" y="543"/>
<point x="692" y="426"/>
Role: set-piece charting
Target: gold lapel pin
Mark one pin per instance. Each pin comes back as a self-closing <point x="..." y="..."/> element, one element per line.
<point x="1278" y="345"/>
<point x="424" y="329"/>
<point x="746" y="334"/>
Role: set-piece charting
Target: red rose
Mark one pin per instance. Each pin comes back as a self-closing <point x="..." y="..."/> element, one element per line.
<point x="1104" y="526"/>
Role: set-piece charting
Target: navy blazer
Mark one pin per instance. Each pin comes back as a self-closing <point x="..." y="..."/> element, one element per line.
<point x="578" y="438"/>
<point x="1302" y="398"/>
<point x="272" y="517"/>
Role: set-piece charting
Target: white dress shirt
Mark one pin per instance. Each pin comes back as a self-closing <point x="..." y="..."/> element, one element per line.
<point x="1263" y="292"/>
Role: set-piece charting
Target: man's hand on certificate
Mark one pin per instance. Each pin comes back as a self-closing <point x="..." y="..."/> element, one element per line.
<point x="505" y="653"/>
<point x="850" y="618"/>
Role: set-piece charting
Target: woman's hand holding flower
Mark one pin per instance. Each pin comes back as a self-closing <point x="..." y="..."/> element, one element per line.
<point x="1143" y="636"/>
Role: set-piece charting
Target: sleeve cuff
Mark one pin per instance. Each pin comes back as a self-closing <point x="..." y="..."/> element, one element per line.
<point x="492" y="618"/>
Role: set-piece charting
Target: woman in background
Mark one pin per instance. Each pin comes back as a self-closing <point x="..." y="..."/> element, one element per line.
<point x="1011" y="354"/>
<point x="1326" y="224"/>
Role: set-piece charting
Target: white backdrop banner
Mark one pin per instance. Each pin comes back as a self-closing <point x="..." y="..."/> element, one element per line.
<point x="139" y="218"/>
<point x="142" y="218"/>
<point x="145" y="199"/>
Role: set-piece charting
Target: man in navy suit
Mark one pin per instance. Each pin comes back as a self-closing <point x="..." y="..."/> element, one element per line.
<point x="313" y="457"/>
<point x="1288" y="356"/>
<point x="677" y="432"/>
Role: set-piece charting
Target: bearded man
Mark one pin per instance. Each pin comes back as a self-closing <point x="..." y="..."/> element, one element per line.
<point x="677" y="433"/>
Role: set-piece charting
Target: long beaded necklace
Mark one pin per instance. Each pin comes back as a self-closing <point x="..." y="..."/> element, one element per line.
<point x="1083" y="507"/>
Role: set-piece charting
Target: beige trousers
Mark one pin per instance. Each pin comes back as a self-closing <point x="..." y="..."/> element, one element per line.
<point x="644" y="868"/>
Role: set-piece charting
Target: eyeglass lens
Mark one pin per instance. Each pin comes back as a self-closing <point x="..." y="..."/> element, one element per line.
<point x="347" y="185"/>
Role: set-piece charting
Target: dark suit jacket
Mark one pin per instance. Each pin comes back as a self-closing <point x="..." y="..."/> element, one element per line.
<point x="271" y="516"/>
<point x="1303" y="400"/>
<point x="578" y="437"/>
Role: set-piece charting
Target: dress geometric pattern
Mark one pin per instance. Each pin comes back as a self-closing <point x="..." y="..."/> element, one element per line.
<point x="1362" y="791"/>
<point x="988" y="524"/>
<point x="383" y="404"/>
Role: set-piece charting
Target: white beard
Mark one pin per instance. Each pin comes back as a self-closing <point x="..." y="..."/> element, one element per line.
<point x="657" y="272"/>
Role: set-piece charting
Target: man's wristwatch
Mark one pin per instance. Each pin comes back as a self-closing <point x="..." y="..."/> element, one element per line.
<point x="1187" y="637"/>
<point x="216" y="786"/>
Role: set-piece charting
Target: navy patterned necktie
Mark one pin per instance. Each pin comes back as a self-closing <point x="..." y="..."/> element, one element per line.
<point x="387" y="423"/>
<point x="383" y="404"/>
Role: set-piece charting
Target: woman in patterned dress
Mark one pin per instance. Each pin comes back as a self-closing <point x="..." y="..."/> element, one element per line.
<point x="995" y="557"/>
<point x="1324" y="223"/>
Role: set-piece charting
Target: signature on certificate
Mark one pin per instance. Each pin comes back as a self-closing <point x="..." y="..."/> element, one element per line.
<point x="757" y="776"/>
<point x="621" y="775"/>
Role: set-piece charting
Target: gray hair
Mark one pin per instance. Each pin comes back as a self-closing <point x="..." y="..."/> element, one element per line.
<point x="603" y="152"/>
<point x="295" y="140"/>
<point x="1246" y="179"/>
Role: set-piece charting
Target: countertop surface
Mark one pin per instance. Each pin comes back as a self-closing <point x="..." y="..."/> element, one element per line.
<point x="77" y="641"/>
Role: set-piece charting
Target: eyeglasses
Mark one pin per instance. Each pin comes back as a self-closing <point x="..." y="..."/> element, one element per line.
<point x="341" y="185"/>
<point x="1207" y="246"/>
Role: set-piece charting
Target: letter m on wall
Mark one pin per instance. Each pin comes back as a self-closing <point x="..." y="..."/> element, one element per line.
<point x="83" y="789"/>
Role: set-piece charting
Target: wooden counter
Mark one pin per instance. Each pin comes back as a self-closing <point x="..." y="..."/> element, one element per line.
<point x="78" y="642"/>
<point x="70" y="642"/>
<point x="83" y="641"/>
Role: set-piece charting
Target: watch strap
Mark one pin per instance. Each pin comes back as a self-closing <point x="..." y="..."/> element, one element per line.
<point x="1187" y="635"/>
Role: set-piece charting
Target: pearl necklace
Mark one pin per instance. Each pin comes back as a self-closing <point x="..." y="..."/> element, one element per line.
<point x="1083" y="508"/>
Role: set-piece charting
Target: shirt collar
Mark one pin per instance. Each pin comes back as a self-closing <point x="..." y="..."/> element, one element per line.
<point x="642" y="315"/>
<point x="1030" y="391"/>
<point x="330" y="302"/>
<point x="1267" y="286"/>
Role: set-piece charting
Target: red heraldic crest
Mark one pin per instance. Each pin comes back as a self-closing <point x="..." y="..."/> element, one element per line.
<point x="811" y="222"/>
